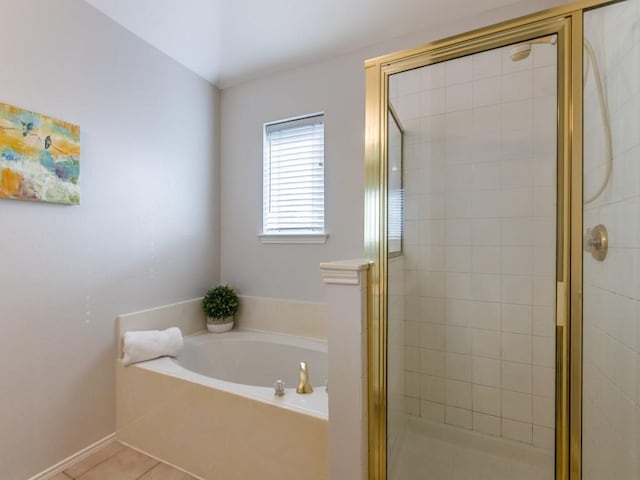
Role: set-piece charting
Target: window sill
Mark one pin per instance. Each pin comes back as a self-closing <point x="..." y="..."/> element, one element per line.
<point x="295" y="238"/>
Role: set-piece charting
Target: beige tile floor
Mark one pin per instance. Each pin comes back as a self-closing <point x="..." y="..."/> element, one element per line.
<point x="118" y="462"/>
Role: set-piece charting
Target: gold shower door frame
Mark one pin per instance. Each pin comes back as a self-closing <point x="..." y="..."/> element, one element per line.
<point x="567" y="22"/>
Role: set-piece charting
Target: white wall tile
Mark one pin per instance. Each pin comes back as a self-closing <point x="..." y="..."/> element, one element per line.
<point x="517" y="289"/>
<point x="517" y="202"/>
<point x="485" y="287"/>
<point x="519" y="431"/>
<point x="432" y="284"/>
<point x="518" y="174"/>
<point x="517" y="406"/>
<point x="517" y="86"/>
<point x="487" y="119"/>
<point x="544" y="290"/>
<point x="544" y="352"/>
<point x="485" y="260"/>
<point x="459" y="70"/>
<point x="408" y="106"/>
<point x="432" y="411"/>
<point x="486" y="343"/>
<point x="544" y="261"/>
<point x="544" y="437"/>
<point x="486" y="424"/>
<point x="486" y="203"/>
<point x="517" y="318"/>
<point x="432" y="362"/>
<point x="432" y="336"/>
<point x="406" y="83"/>
<point x="433" y="258"/>
<point x="457" y="312"/>
<point x="433" y="76"/>
<point x="458" y="285"/>
<point x="430" y="102"/>
<point x="412" y="405"/>
<point x="485" y="231"/>
<point x="517" y="377"/>
<point x="486" y="400"/>
<point x="517" y="348"/>
<point x="517" y="260"/>
<point x="412" y="334"/>
<point x="487" y="64"/>
<point x="545" y="55"/>
<point x="458" y="232"/>
<point x="432" y="388"/>
<point x="459" y="97"/>
<point x="519" y="145"/>
<point x="487" y="91"/>
<point x="544" y="323"/>
<point x="458" y="205"/>
<point x="458" y="259"/>
<point x="431" y="310"/>
<point x="544" y="411"/>
<point x="487" y="147"/>
<point x="458" y="367"/>
<point x="458" y="417"/>
<point x="518" y="115"/>
<point x="486" y="176"/>
<point x="412" y="384"/>
<point x="484" y="315"/>
<point x="458" y="340"/>
<point x="486" y="371"/>
<point x="411" y="358"/>
<point x="545" y="81"/>
<point x="458" y="394"/>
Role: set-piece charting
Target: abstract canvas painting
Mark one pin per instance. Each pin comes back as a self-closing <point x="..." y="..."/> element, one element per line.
<point x="39" y="157"/>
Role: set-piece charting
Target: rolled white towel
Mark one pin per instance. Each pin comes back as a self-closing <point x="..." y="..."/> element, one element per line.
<point x="148" y="344"/>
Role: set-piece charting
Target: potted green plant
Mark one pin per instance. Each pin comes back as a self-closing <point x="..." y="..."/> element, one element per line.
<point x="220" y="305"/>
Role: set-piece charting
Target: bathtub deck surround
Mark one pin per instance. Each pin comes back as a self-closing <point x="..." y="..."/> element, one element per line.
<point x="346" y="285"/>
<point x="292" y="317"/>
<point x="233" y="426"/>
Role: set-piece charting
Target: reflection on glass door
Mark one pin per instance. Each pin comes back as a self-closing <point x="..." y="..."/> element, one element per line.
<point x="611" y="372"/>
<point x="471" y="311"/>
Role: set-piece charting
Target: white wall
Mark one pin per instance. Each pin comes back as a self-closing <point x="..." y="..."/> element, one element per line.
<point x="611" y="396"/>
<point x="145" y="234"/>
<point x="336" y="87"/>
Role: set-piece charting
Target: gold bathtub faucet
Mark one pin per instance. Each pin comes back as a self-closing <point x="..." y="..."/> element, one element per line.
<point x="304" y="386"/>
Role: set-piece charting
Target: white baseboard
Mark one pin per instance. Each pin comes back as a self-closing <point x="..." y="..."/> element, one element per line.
<point x="76" y="457"/>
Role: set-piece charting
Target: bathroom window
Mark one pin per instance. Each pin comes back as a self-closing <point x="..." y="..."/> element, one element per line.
<point x="293" y="191"/>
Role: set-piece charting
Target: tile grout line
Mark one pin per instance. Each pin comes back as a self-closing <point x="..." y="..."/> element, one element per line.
<point x="151" y="468"/>
<point x="99" y="463"/>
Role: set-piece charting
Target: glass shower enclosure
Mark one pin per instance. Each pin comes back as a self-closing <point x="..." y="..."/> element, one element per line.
<point x="503" y="217"/>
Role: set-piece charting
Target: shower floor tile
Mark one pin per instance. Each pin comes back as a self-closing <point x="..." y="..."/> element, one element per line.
<point x="425" y="455"/>
<point x="118" y="462"/>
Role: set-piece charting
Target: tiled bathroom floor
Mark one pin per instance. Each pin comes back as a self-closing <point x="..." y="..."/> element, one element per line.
<point x="118" y="462"/>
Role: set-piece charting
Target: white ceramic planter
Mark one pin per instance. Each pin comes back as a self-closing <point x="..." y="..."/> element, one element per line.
<point x="220" y="327"/>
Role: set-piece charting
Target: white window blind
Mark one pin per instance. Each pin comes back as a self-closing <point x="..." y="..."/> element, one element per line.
<point x="294" y="176"/>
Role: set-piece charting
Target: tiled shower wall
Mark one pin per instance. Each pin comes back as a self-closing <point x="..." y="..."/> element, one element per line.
<point x="611" y="399"/>
<point x="479" y="242"/>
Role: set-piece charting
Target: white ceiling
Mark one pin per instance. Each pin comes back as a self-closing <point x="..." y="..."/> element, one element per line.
<point x="227" y="41"/>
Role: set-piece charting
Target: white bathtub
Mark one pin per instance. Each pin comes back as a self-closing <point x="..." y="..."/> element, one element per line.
<point x="245" y="359"/>
<point x="212" y="410"/>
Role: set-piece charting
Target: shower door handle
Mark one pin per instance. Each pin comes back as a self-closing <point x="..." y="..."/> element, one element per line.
<point x="561" y="304"/>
